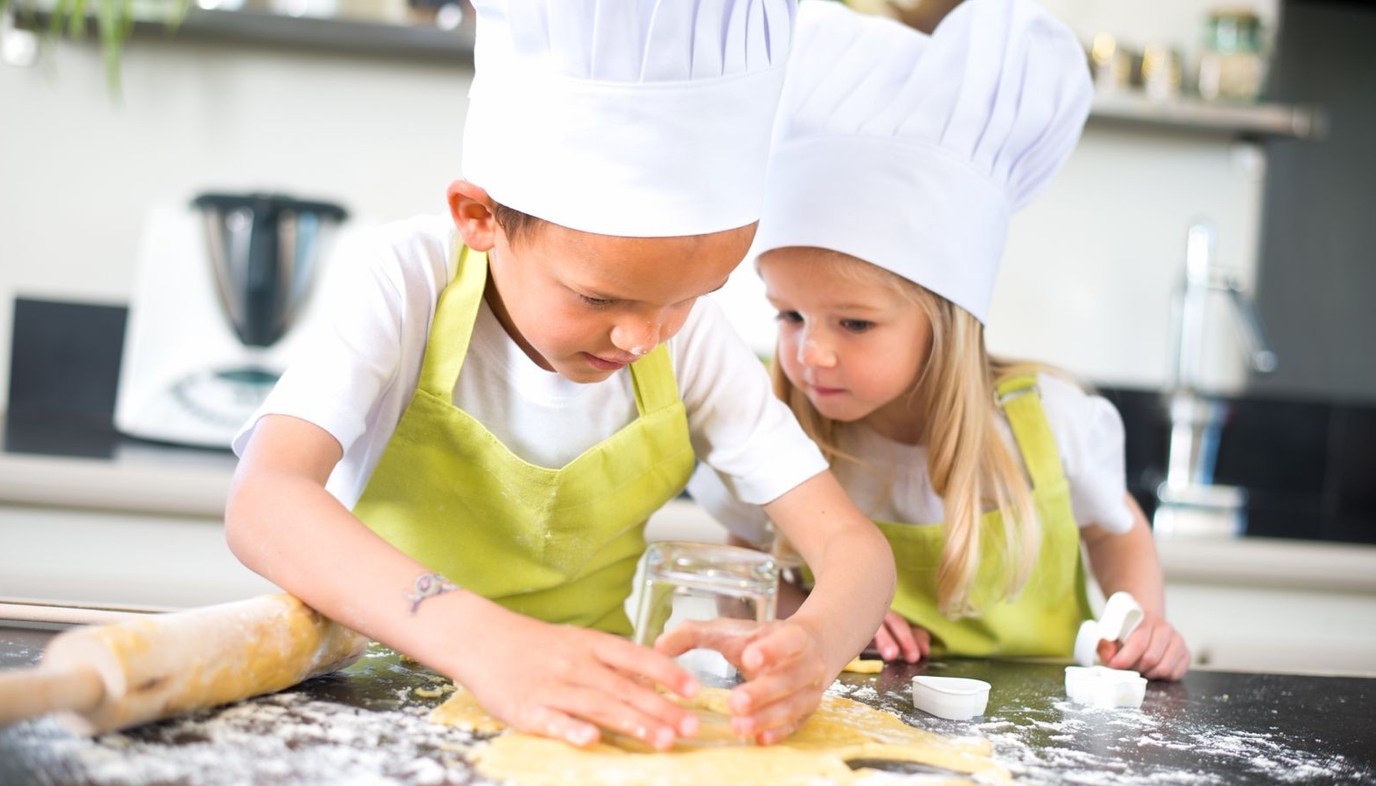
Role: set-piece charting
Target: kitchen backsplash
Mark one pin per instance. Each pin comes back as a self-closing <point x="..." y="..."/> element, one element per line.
<point x="1309" y="467"/>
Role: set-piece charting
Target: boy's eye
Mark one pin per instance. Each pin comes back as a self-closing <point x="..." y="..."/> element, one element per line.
<point x="856" y="325"/>
<point x="792" y="317"/>
<point x="597" y="302"/>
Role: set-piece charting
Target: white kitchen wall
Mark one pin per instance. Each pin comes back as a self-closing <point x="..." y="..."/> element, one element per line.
<point x="1088" y="269"/>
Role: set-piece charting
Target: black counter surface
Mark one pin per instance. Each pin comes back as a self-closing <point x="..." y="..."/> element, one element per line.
<point x="368" y="725"/>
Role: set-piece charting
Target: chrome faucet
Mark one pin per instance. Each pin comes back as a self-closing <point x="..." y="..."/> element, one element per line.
<point x="1189" y="502"/>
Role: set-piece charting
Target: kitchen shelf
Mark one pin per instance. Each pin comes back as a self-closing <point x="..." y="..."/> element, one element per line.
<point x="340" y="34"/>
<point x="1192" y="115"/>
<point x="359" y="36"/>
<point x="1264" y="121"/>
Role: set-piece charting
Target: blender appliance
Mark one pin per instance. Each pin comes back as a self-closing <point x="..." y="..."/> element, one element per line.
<point x="222" y="294"/>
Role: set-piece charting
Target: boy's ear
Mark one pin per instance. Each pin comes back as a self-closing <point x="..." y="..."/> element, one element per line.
<point x="472" y="211"/>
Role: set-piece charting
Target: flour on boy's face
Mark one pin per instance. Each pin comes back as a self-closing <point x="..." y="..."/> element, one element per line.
<point x="585" y="305"/>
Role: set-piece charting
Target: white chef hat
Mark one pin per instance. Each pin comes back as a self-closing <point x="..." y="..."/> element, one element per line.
<point x="911" y="152"/>
<point x="640" y="118"/>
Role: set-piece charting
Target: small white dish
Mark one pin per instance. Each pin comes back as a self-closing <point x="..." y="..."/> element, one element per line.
<point x="1100" y="686"/>
<point x="952" y="698"/>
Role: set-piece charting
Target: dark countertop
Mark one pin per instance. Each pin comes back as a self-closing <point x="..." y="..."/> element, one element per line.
<point x="367" y="725"/>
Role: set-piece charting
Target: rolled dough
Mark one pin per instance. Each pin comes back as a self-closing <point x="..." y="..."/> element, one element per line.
<point x="841" y="730"/>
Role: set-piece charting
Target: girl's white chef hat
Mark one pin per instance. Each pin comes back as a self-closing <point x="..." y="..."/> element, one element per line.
<point x="911" y="152"/>
<point x="640" y="118"/>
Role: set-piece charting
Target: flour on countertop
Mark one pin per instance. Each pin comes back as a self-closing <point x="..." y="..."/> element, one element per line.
<point x="245" y="743"/>
<point x="1039" y="749"/>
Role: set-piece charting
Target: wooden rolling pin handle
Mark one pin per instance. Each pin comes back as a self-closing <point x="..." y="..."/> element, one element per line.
<point x="29" y="693"/>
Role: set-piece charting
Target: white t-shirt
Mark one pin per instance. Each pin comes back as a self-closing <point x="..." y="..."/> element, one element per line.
<point x="361" y="365"/>
<point x="1089" y="436"/>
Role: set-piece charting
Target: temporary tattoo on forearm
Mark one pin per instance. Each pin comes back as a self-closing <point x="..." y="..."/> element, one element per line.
<point x="427" y="586"/>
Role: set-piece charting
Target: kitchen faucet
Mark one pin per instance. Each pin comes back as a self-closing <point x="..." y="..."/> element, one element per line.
<point x="1189" y="502"/>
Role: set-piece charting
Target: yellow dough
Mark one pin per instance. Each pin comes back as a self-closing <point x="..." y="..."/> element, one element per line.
<point x="859" y="666"/>
<point x="841" y="730"/>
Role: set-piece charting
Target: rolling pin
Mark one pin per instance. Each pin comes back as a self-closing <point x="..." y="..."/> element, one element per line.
<point x="108" y="677"/>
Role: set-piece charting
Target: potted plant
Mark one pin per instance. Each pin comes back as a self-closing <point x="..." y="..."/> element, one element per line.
<point x="114" y="22"/>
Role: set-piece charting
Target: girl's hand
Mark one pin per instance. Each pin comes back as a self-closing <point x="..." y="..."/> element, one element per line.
<point x="1154" y="649"/>
<point x="781" y="662"/>
<point x="898" y="637"/>
<point x="566" y="682"/>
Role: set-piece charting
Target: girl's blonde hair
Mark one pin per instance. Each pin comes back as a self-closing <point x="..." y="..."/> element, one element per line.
<point x="971" y="466"/>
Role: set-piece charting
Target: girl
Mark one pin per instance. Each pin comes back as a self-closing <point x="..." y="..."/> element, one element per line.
<point x="897" y="161"/>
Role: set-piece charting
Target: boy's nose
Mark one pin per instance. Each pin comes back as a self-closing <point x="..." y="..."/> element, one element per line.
<point x="637" y="335"/>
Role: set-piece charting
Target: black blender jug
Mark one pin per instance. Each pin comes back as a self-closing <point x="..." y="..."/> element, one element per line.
<point x="263" y="249"/>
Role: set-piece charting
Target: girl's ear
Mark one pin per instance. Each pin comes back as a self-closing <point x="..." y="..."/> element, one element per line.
<point x="472" y="211"/>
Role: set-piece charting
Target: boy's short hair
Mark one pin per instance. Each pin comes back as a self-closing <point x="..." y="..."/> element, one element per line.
<point x="514" y="223"/>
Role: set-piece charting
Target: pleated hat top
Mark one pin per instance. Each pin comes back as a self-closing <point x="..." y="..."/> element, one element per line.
<point x="912" y="151"/>
<point x="637" y="118"/>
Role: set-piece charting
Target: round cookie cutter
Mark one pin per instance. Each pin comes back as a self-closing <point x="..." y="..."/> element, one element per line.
<point x="1121" y="616"/>
<point x="1100" y="686"/>
<point x="952" y="698"/>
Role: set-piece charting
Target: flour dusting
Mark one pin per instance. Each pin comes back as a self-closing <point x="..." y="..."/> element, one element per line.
<point x="285" y="738"/>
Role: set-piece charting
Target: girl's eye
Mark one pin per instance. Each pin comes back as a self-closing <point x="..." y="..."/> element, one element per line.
<point x="596" y="302"/>
<point x="856" y="325"/>
<point x="791" y="317"/>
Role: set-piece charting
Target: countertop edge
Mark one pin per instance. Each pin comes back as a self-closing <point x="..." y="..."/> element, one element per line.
<point x="200" y="490"/>
<point x="101" y="484"/>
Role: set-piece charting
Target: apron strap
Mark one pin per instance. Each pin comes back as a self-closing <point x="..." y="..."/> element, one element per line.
<point x="455" y="314"/>
<point x="1022" y="405"/>
<point x="653" y="379"/>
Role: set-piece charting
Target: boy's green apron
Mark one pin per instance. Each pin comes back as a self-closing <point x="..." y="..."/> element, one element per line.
<point x="559" y="545"/>
<point x="1043" y="619"/>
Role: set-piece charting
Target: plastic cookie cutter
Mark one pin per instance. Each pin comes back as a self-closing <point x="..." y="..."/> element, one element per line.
<point x="1120" y="618"/>
<point x="952" y="698"/>
<point x="1100" y="686"/>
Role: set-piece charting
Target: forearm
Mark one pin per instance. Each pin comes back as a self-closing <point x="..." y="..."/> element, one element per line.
<point x="1128" y="562"/>
<point x="282" y="523"/>
<point x="851" y="563"/>
<point x="847" y="602"/>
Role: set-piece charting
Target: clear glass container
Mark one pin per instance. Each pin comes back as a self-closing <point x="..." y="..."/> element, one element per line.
<point x="704" y="581"/>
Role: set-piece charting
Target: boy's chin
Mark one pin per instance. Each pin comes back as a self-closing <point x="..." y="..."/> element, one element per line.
<point x="584" y="373"/>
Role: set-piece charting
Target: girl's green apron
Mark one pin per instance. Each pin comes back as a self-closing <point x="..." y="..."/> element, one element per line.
<point x="560" y="545"/>
<point x="1043" y="619"/>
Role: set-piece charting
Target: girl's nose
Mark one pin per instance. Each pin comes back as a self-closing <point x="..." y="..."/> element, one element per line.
<point x="813" y="351"/>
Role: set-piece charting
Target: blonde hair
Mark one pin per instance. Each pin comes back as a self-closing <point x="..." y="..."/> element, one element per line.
<point x="971" y="466"/>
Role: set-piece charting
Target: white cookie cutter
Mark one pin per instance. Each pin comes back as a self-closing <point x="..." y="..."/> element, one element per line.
<point x="1100" y="686"/>
<point x="952" y="698"/>
<point x="1121" y="616"/>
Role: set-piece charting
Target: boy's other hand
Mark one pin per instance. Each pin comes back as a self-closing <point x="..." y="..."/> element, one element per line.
<point x="781" y="662"/>
<point x="899" y="638"/>
<point x="1155" y="650"/>
<point x="566" y="682"/>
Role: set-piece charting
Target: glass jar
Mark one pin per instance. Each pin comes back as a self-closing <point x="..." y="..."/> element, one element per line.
<point x="1232" y="67"/>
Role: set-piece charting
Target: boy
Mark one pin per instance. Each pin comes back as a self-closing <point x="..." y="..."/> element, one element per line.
<point x="463" y="467"/>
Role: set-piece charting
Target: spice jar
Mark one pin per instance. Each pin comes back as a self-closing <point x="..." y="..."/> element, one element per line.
<point x="1232" y="67"/>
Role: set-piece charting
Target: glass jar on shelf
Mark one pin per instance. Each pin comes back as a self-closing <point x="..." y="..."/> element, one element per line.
<point x="1232" y="66"/>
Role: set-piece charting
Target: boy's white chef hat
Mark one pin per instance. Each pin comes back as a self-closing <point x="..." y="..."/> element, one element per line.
<point x="640" y="118"/>
<point x="911" y="152"/>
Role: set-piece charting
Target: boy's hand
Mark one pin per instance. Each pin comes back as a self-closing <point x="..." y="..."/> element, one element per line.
<point x="1154" y="649"/>
<point x="781" y="662"/>
<point x="566" y="682"/>
<point x="897" y="637"/>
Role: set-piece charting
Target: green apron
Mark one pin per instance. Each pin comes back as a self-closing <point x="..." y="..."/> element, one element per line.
<point x="1043" y="619"/>
<point x="560" y="545"/>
